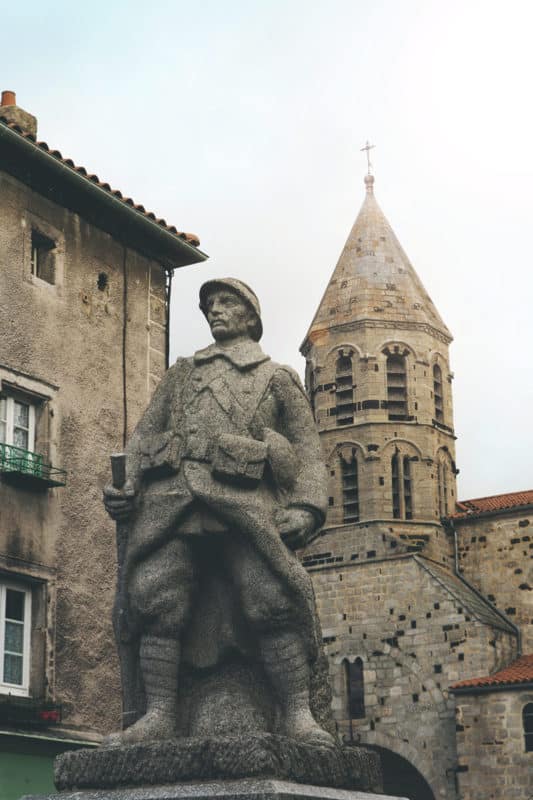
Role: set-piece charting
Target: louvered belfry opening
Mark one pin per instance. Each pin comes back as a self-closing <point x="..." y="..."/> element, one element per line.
<point x="344" y="392"/>
<point x="350" y="488"/>
<point x="397" y="386"/>
<point x="437" y="393"/>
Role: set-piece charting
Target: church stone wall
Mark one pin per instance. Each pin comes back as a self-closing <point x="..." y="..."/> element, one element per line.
<point x="414" y="639"/>
<point x="493" y="763"/>
<point x="496" y="555"/>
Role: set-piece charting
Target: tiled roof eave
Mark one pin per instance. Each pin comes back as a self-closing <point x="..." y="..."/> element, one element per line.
<point x="485" y="688"/>
<point x="516" y="675"/>
<point x="117" y="215"/>
<point x="465" y="516"/>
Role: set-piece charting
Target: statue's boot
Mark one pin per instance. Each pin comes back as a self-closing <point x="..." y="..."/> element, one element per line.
<point x="287" y="667"/>
<point x="159" y="662"/>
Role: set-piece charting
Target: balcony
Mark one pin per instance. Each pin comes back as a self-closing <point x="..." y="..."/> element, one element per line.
<point x="21" y="467"/>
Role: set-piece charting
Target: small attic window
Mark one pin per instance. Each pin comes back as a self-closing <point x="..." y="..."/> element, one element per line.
<point x="43" y="257"/>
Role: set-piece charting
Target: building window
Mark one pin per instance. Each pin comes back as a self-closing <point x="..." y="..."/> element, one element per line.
<point x="344" y="394"/>
<point x="17" y="423"/>
<point x="402" y="496"/>
<point x="442" y="479"/>
<point x="43" y="257"/>
<point x="350" y="488"/>
<point x="527" y="720"/>
<point x="15" y="638"/>
<point x="407" y="495"/>
<point x="355" y="688"/>
<point x="396" y="387"/>
<point x="437" y="393"/>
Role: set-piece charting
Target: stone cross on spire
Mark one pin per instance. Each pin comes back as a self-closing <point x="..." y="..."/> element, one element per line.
<point x="368" y="147"/>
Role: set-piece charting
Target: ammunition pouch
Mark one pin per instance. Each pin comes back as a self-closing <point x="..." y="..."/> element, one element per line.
<point x="160" y="454"/>
<point x="239" y="459"/>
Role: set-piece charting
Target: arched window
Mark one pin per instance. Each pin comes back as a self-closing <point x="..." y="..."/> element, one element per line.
<point x="407" y="495"/>
<point x="396" y="387"/>
<point x="355" y="688"/>
<point x="402" y="495"/>
<point x="311" y="388"/>
<point x="437" y="393"/>
<point x="344" y="400"/>
<point x="395" y="467"/>
<point x="442" y="480"/>
<point x="350" y="488"/>
<point x="527" y="720"/>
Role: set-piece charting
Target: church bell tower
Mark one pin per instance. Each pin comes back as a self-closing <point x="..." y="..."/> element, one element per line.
<point x="378" y="375"/>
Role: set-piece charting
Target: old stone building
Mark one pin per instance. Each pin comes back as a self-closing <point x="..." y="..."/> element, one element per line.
<point x="494" y="710"/>
<point x="413" y="593"/>
<point x="84" y="287"/>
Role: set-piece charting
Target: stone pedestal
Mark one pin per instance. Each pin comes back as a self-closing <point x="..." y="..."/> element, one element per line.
<point x="246" y="789"/>
<point x="261" y="766"/>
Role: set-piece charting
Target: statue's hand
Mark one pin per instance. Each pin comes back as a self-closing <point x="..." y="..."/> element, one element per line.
<point x="296" y="526"/>
<point x="119" y="502"/>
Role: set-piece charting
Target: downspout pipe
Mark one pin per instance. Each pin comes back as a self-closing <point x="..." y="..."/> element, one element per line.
<point x="450" y="527"/>
<point x="168" y="287"/>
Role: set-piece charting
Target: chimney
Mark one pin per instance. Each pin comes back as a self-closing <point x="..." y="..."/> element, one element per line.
<point x="10" y="112"/>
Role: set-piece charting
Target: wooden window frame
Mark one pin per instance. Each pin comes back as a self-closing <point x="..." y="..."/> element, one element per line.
<point x="7" y="417"/>
<point x="20" y="690"/>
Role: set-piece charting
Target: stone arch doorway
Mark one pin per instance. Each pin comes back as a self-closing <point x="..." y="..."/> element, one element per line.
<point x="401" y="778"/>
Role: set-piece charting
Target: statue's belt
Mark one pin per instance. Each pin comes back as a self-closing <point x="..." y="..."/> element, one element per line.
<point x="233" y="457"/>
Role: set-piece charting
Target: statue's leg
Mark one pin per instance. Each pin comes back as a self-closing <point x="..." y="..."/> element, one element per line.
<point x="279" y="631"/>
<point x="160" y="591"/>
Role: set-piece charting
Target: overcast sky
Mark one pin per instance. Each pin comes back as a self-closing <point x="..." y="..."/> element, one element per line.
<point x="242" y="120"/>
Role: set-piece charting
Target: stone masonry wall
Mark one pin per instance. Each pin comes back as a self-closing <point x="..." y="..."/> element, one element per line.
<point x="414" y="639"/>
<point x="493" y="764"/>
<point x="496" y="555"/>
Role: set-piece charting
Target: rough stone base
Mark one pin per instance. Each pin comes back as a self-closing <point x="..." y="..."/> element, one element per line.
<point x="221" y="758"/>
<point x="261" y="789"/>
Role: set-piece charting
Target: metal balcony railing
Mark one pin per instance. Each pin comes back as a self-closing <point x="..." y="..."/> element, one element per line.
<point x="25" y="466"/>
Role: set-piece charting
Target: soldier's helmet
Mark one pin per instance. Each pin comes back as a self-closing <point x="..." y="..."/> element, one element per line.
<point x="243" y="291"/>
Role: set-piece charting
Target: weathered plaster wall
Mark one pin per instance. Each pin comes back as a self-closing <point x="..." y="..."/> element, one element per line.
<point x="70" y="335"/>
<point x="496" y="555"/>
<point x="493" y="764"/>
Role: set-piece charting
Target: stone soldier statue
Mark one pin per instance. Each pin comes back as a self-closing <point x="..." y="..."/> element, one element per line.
<point x="224" y="480"/>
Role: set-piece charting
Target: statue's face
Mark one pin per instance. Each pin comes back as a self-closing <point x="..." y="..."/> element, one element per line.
<point x="228" y="316"/>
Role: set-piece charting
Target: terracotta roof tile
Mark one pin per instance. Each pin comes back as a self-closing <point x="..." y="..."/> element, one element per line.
<point x="191" y="238"/>
<point x="496" y="502"/>
<point x="520" y="671"/>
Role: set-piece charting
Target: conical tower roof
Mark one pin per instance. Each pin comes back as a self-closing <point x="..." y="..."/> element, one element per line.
<point x="374" y="280"/>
